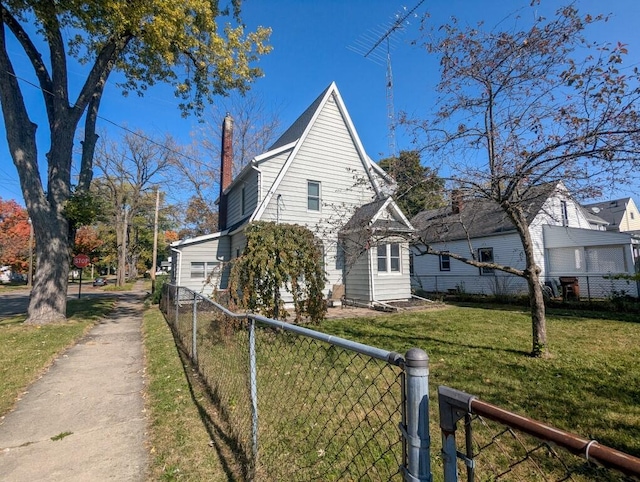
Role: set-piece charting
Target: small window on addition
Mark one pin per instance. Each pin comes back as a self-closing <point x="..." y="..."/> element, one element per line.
<point x="389" y="258"/>
<point x="485" y="255"/>
<point x="445" y="262"/>
<point x="313" y="195"/>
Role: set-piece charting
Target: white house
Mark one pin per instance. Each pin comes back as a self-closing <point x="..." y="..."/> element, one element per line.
<point x="568" y="242"/>
<point x="317" y="174"/>
<point x="621" y="214"/>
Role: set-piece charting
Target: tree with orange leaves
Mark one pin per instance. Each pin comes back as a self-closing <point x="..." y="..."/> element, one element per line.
<point x="14" y="236"/>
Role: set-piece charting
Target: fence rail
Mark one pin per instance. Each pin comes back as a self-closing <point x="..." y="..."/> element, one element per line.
<point x="303" y="405"/>
<point x="503" y="445"/>
<point x="591" y="287"/>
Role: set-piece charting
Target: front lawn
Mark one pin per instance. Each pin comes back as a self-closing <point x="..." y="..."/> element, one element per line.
<point x="590" y="386"/>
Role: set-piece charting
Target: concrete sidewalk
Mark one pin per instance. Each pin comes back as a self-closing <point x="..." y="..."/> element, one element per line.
<point x="91" y="403"/>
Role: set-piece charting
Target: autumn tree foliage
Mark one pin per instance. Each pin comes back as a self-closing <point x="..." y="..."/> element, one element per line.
<point x="88" y="241"/>
<point x="279" y="257"/>
<point x="533" y="105"/>
<point x="184" y="44"/>
<point x="14" y="236"/>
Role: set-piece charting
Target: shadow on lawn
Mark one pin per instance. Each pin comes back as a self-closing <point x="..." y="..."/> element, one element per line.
<point x="233" y="457"/>
<point x="585" y="309"/>
<point x="388" y="340"/>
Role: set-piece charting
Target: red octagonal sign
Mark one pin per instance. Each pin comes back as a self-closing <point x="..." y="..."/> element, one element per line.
<point x="81" y="261"/>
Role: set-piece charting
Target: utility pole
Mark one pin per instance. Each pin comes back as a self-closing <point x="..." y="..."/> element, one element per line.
<point x="155" y="243"/>
<point x="30" y="275"/>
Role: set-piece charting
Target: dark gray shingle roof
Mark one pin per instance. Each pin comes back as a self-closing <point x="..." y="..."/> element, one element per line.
<point x="295" y="131"/>
<point x="477" y="218"/>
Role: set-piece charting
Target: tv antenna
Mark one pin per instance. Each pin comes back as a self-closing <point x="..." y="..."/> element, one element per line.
<point x="370" y="47"/>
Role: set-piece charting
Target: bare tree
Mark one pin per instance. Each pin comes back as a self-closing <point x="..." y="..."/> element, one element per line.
<point x="255" y="126"/>
<point x="522" y="108"/>
<point x="127" y="173"/>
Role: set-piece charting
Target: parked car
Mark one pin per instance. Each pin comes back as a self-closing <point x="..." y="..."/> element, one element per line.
<point x="100" y="282"/>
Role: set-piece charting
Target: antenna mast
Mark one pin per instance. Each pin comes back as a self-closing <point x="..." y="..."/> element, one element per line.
<point x="386" y="37"/>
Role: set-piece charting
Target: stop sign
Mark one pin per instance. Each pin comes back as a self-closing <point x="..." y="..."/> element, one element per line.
<point x="81" y="261"/>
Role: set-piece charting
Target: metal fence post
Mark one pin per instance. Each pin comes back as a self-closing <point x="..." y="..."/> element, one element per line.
<point x="253" y="380"/>
<point x="417" y="415"/>
<point x="453" y="405"/>
<point x="194" y="324"/>
<point x="175" y="324"/>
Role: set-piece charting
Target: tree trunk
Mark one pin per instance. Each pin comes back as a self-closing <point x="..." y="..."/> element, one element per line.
<point x="48" y="303"/>
<point x="536" y="299"/>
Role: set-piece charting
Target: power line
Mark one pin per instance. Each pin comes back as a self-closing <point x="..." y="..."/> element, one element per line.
<point x="126" y="129"/>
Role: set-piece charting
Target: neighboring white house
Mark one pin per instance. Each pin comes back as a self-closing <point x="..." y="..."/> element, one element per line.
<point x="568" y="242"/>
<point x="317" y="174"/>
<point x="621" y="214"/>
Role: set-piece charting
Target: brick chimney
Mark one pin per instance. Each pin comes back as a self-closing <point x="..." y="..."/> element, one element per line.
<point x="457" y="201"/>
<point x="226" y="169"/>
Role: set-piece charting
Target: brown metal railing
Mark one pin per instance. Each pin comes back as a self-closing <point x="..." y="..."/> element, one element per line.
<point x="455" y="405"/>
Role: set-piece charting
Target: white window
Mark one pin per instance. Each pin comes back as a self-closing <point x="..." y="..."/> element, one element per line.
<point x="445" y="262"/>
<point x="485" y="255"/>
<point x="389" y="258"/>
<point x="313" y="195"/>
<point x="565" y="213"/>
<point x="202" y="269"/>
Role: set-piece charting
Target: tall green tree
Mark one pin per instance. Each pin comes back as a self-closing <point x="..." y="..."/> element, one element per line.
<point x="279" y="257"/>
<point x="419" y="187"/>
<point x="180" y="43"/>
<point x="520" y="108"/>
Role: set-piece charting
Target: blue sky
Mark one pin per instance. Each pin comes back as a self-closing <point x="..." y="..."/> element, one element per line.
<point x="313" y="45"/>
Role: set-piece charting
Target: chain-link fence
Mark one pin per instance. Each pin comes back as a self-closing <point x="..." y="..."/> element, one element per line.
<point x="501" y="445"/>
<point x="297" y="404"/>
<point x="587" y="287"/>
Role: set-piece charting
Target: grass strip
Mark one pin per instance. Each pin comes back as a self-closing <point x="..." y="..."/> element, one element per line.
<point x="186" y="441"/>
<point x="27" y="351"/>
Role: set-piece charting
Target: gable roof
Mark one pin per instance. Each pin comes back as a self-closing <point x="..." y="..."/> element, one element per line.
<point x="611" y="211"/>
<point x="197" y="239"/>
<point x="369" y="216"/>
<point x="295" y="130"/>
<point x="477" y="217"/>
<point x="296" y="135"/>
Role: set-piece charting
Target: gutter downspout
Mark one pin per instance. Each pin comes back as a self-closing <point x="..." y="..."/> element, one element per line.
<point x="372" y="286"/>
<point x="178" y="277"/>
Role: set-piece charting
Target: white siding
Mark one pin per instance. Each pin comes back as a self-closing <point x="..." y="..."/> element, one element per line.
<point x="249" y="183"/>
<point x="631" y="219"/>
<point x="358" y="284"/>
<point x="270" y="168"/>
<point x="391" y="286"/>
<point x="328" y="156"/>
<point x="507" y="250"/>
<point x="209" y="251"/>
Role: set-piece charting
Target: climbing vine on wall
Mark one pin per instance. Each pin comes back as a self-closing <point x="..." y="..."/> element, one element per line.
<point x="280" y="257"/>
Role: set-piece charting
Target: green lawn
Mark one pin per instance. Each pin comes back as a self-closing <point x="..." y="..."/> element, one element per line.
<point x="590" y="386"/>
<point x="26" y="351"/>
<point x="186" y="442"/>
